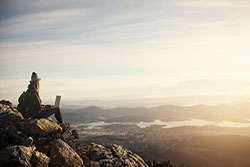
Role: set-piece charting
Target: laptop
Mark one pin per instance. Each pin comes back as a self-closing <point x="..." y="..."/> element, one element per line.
<point x="57" y="101"/>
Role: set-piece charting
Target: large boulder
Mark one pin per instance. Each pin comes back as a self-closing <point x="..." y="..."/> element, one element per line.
<point x="63" y="155"/>
<point x="114" y="155"/>
<point x="11" y="136"/>
<point x="10" y="120"/>
<point x="39" y="159"/>
<point x="131" y="158"/>
<point x="9" y="115"/>
<point x="23" y="156"/>
<point x="40" y="127"/>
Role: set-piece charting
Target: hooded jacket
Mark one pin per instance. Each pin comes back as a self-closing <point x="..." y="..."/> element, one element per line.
<point x="33" y="102"/>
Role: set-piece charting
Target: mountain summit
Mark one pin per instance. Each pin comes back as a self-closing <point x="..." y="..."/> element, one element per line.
<point x="42" y="142"/>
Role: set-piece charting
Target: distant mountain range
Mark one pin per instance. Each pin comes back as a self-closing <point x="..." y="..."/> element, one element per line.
<point x="226" y="112"/>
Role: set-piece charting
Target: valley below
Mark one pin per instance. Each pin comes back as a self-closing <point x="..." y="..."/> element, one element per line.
<point x="179" y="134"/>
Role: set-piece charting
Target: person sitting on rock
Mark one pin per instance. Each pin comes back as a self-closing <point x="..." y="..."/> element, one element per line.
<point x="30" y="104"/>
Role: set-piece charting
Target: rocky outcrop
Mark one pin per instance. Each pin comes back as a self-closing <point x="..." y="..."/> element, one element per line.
<point x="42" y="142"/>
<point x="9" y="115"/>
<point x="10" y="120"/>
<point x="114" y="155"/>
<point x="40" y="159"/>
<point x="23" y="156"/>
<point x="29" y="142"/>
<point x="63" y="155"/>
<point x="40" y="127"/>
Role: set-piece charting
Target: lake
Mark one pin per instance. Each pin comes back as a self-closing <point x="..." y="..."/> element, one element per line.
<point x="171" y="124"/>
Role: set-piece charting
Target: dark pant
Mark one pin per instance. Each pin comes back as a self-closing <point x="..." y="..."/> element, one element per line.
<point x="50" y="111"/>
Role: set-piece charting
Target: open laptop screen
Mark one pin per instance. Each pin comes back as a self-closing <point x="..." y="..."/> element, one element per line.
<point x="57" y="101"/>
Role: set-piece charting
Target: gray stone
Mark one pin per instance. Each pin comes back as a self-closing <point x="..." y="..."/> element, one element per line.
<point x="94" y="164"/>
<point x="63" y="155"/>
<point x="28" y="142"/>
<point x="9" y="116"/>
<point x="40" y="127"/>
<point x="114" y="155"/>
<point x="22" y="156"/>
<point x="39" y="159"/>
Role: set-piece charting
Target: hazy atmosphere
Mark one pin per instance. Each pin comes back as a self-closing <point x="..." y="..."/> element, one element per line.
<point x="129" y="49"/>
<point x="137" y="83"/>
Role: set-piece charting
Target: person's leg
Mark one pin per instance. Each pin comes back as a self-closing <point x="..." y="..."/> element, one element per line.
<point x="50" y="111"/>
<point x="58" y="115"/>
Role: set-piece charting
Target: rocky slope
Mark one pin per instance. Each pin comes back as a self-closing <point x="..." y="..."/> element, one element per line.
<point x="42" y="142"/>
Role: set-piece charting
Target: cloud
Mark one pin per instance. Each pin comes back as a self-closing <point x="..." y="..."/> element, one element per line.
<point x="104" y="22"/>
<point x="212" y="3"/>
<point x="150" y="45"/>
<point x="40" y="22"/>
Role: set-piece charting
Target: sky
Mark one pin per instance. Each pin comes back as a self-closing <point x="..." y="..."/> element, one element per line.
<point x="131" y="49"/>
